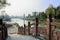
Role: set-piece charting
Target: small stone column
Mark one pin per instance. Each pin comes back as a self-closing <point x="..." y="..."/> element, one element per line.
<point x="1" y="22"/>
<point x="1" y="28"/>
<point x="1" y="35"/>
<point x="49" y="20"/>
<point x="36" y="26"/>
<point x="5" y="29"/>
<point x="24" y="29"/>
<point x="29" y="28"/>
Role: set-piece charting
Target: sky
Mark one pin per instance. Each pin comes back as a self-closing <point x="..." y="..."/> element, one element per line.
<point x="21" y="7"/>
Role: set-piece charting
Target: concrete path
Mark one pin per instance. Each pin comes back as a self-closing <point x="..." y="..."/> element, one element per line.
<point x="20" y="37"/>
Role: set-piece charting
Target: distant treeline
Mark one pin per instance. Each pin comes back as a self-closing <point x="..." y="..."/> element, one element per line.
<point x="5" y="17"/>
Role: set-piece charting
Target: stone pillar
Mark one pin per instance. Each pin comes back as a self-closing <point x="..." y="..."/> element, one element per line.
<point x="36" y="26"/>
<point x="5" y="30"/>
<point x="49" y="20"/>
<point x="1" y="22"/>
<point x="24" y="29"/>
<point x="1" y="35"/>
<point x="29" y="28"/>
<point x="1" y="27"/>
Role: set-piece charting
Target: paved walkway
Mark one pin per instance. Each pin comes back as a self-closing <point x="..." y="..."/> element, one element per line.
<point x="20" y="37"/>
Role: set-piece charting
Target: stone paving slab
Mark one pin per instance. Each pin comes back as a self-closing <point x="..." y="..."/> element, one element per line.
<point x="20" y="37"/>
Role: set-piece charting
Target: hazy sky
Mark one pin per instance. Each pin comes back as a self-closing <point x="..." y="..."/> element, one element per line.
<point x="20" y="7"/>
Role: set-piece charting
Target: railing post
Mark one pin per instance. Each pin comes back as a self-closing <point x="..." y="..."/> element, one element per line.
<point x="49" y="20"/>
<point x="0" y="21"/>
<point x="36" y="26"/>
<point x="1" y="35"/>
<point x="29" y="28"/>
<point x="24" y="29"/>
<point x="1" y="28"/>
<point x="5" y="29"/>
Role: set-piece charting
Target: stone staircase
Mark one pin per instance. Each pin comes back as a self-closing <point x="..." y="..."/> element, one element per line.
<point x="20" y="37"/>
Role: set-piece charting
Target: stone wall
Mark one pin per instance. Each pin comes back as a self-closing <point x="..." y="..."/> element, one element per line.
<point x="56" y="34"/>
<point x="42" y="31"/>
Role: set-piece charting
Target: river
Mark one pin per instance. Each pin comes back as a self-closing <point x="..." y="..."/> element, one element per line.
<point x="19" y="21"/>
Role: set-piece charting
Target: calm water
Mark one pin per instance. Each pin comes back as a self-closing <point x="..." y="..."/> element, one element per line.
<point x="19" y="21"/>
